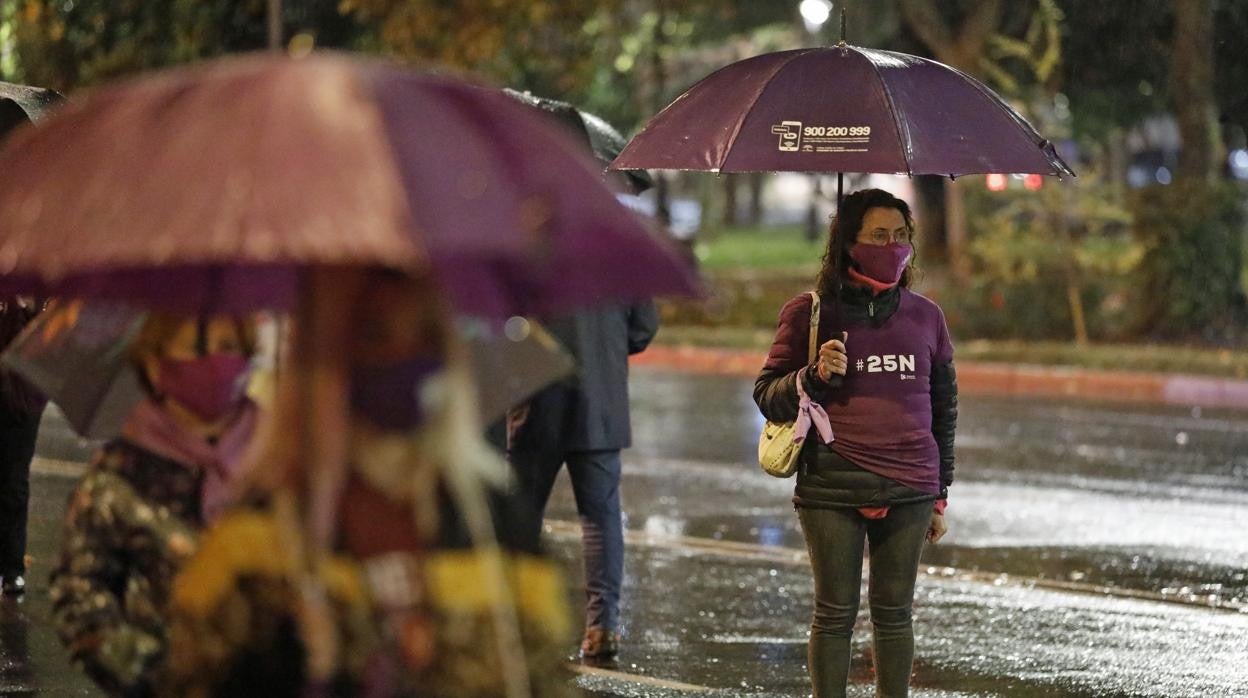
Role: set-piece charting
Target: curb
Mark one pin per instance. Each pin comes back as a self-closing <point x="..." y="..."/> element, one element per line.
<point x="984" y="378"/>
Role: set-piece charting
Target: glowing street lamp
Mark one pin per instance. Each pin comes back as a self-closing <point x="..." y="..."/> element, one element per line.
<point x="815" y="14"/>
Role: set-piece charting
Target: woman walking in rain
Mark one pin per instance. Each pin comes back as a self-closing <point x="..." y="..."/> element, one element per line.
<point x="376" y="554"/>
<point x="134" y="518"/>
<point x="879" y="460"/>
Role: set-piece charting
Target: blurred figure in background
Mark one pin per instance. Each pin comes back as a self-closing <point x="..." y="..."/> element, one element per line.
<point x="135" y="517"/>
<point x="21" y="406"/>
<point x="583" y="422"/>
<point x="377" y="552"/>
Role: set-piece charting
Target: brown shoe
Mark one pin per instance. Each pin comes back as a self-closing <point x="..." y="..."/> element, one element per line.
<point x="600" y="646"/>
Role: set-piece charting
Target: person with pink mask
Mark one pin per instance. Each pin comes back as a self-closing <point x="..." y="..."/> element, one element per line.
<point x="878" y="460"/>
<point x="134" y="519"/>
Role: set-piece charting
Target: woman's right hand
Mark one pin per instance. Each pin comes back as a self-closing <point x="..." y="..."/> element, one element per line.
<point x="832" y="357"/>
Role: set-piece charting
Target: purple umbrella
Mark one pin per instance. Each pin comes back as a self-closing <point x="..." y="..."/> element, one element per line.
<point x="209" y="187"/>
<point x="841" y="109"/>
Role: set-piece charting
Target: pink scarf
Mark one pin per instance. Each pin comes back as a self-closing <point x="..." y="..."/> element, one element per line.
<point x="153" y="429"/>
<point x="877" y="287"/>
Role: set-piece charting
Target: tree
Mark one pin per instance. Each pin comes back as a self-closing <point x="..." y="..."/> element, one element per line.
<point x="68" y="44"/>
<point x="973" y="37"/>
<point x="1195" y="226"/>
<point x="1191" y="83"/>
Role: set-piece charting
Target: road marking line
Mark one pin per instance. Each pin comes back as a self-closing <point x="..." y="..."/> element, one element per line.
<point x="640" y="679"/>
<point x="57" y="468"/>
<point x="787" y="556"/>
<point x="570" y="530"/>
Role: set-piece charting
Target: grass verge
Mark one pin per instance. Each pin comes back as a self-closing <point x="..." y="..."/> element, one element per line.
<point x="1223" y="363"/>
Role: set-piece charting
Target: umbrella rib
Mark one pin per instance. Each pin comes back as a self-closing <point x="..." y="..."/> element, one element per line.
<point x="892" y="111"/>
<point x="736" y="129"/>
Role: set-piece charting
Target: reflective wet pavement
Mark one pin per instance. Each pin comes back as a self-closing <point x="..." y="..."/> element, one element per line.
<point x="1151" y="502"/>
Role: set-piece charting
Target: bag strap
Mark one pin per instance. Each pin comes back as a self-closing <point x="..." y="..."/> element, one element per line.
<point x="812" y="349"/>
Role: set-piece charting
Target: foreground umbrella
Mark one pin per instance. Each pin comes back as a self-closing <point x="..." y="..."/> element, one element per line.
<point x="604" y="141"/>
<point x="841" y="109"/>
<point x="206" y="188"/>
<point x="20" y="104"/>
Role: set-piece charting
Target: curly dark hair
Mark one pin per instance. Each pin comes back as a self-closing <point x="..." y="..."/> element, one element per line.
<point x="843" y="233"/>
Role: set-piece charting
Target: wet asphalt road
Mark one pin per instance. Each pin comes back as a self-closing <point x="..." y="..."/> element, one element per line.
<point x="1053" y="501"/>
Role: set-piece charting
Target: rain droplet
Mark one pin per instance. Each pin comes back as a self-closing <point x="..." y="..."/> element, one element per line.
<point x="1181" y="438"/>
<point x="516" y="328"/>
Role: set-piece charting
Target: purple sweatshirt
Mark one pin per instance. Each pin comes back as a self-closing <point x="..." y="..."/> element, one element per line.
<point x="881" y="415"/>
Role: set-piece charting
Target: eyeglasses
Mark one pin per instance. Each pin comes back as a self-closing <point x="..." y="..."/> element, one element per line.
<point x="883" y="237"/>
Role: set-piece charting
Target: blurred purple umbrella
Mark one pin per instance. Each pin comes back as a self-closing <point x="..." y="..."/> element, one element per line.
<point x="841" y="109"/>
<point x="207" y="188"/>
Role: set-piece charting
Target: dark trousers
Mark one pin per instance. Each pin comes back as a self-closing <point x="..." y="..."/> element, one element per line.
<point x="17" y="446"/>
<point x="835" y="540"/>
<point x="595" y="479"/>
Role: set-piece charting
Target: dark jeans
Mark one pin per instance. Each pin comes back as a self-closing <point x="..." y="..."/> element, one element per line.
<point x="596" y="484"/>
<point x="835" y="540"/>
<point x="17" y="447"/>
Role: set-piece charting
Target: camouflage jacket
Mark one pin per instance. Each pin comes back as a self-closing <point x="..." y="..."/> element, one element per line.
<point x="131" y="523"/>
<point x="403" y="624"/>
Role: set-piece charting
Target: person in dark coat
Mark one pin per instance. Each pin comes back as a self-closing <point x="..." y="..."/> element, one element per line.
<point x="21" y="406"/>
<point x="583" y="422"/>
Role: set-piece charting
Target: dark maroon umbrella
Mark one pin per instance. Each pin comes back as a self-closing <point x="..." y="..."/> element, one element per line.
<point x="22" y="104"/>
<point x="841" y="109"/>
<point x="209" y="187"/>
<point x="603" y="140"/>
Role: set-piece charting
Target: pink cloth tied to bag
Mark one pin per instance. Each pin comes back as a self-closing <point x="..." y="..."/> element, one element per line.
<point x="810" y="413"/>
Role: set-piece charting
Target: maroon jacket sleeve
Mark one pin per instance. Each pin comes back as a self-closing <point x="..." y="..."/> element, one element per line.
<point x="791" y="343"/>
<point x="775" y="389"/>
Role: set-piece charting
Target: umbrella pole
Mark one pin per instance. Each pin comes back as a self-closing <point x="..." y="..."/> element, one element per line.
<point x="840" y="190"/>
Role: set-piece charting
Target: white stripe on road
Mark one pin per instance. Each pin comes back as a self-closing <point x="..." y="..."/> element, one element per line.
<point x="57" y="468"/>
<point x="570" y="530"/>
<point x="638" y="679"/>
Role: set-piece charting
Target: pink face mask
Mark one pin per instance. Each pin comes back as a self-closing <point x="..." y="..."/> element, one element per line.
<point x="209" y="386"/>
<point x="883" y="263"/>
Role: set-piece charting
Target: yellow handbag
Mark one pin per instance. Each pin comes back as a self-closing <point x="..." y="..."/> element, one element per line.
<point x="778" y="449"/>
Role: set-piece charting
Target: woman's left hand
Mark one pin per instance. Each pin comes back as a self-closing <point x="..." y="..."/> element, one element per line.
<point x="937" y="529"/>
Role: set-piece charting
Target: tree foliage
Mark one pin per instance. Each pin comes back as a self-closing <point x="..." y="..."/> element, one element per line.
<point x="68" y="43"/>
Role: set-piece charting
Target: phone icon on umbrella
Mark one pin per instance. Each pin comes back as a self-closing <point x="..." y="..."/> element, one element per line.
<point x="790" y="133"/>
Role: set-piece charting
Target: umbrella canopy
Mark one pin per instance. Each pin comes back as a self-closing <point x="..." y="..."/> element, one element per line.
<point x="78" y="355"/>
<point x="604" y="141"/>
<point x="512" y="366"/>
<point x="841" y="109"/>
<point x="207" y="188"/>
<point x="21" y="104"/>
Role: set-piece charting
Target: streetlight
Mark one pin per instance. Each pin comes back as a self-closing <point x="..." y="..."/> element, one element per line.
<point x="815" y="14"/>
